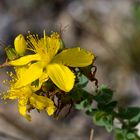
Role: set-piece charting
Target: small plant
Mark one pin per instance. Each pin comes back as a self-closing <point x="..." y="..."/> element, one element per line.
<point x="48" y="76"/>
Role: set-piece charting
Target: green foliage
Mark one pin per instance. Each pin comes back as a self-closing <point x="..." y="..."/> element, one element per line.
<point x="104" y="119"/>
<point x="104" y="110"/>
<point x="82" y="81"/>
<point x="103" y="95"/>
<point x="11" y="53"/>
<point x="104" y="114"/>
<point x="135" y="120"/>
<point x="128" y="113"/>
<point x="85" y="104"/>
<point x="78" y="94"/>
<point x="124" y="134"/>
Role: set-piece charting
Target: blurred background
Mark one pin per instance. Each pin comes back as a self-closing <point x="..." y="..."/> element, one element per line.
<point x="108" y="28"/>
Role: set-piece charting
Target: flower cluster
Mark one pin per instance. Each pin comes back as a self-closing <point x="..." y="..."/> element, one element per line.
<point x="43" y="68"/>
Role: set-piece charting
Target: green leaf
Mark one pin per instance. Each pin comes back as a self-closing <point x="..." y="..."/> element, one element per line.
<point x="124" y="134"/>
<point x="82" y="99"/>
<point x="103" y="119"/>
<point x="128" y="113"/>
<point x="82" y="81"/>
<point x="78" y="94"/>
<point x="103" y="95"/>
<point x="91" y="111"/>
<point x="135" y="120"/>
<point x="83" y="104"/>
<point x="11" y="53"/>
<point x="131" y="136"/>
<point x="120" y="134"/>
<point x="108" y="107"/>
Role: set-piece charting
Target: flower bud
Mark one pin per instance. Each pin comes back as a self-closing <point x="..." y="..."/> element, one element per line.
<point x="20" y="44"/>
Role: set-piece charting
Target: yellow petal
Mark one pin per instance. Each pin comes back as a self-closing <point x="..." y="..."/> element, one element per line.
<point x="22" y="106"/>
<point x="20" y="44"/>
<point x="41" y="102"/>
<point x="20" y="70"/>
<point x="25" y="60"/>
<point x="44" y="77"/>
<point x="31" y="74"/>
<point x="62" y="76"/>
<point x="74" y="57"/>
<point x="50" y="110"/>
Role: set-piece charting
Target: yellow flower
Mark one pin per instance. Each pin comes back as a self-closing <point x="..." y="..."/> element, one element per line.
<point x="26" y="95"/>
<point x="20" y="44"/>
<point x="48" y="62"/>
